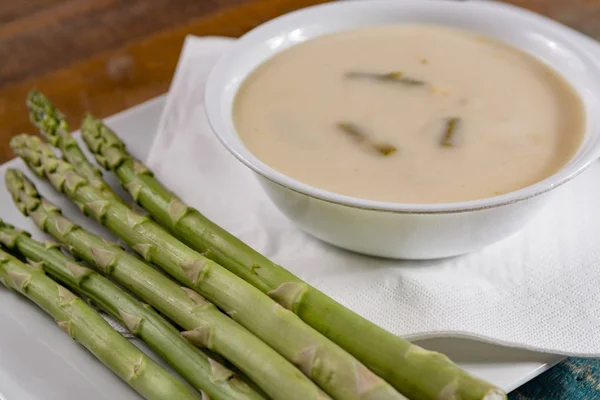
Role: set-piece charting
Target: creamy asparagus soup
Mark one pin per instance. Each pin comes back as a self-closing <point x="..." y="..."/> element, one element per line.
<point x="410" y="114"/>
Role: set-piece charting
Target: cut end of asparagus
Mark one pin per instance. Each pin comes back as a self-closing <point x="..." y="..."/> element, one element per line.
<point x="495" y="395"/>
<point x="47" y="118"/>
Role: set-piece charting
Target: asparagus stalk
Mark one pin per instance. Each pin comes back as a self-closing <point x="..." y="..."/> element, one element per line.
<point x="414" y="371"/>
<point x="336" y="371"/>
<point x="53" y="126"/>
<point x="202" y="372"/>
<point x="89" y="329"/>
<point x="206" y="326"/>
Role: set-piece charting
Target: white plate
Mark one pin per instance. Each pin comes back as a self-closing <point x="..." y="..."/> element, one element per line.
<point x="38" y="361"/>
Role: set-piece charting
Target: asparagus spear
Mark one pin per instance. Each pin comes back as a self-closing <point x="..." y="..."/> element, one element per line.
<point x="399" y="362"/>
<point x="202" y="372"/>
<point x="206" y="326"/>
<point x="336" y="371"/>
<point x="53" y="126"/>
<point x="89" y="329"/>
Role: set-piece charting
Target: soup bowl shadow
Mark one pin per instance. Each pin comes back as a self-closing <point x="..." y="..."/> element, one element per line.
<point x="396" y="230"/>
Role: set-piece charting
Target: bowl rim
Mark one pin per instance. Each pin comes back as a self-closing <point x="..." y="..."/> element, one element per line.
<point x="584" y="157"/>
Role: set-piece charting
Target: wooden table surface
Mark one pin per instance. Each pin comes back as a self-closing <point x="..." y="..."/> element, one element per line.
<point x="104" y="56"/>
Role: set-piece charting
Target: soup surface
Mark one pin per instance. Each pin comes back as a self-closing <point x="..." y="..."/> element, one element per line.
<point x="410" y="114"/>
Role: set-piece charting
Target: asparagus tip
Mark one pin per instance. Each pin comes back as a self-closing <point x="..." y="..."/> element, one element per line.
<point x="23" y="142"/>
<point x="13" y="179"/>
<point x="23" y="192"/>
<point x="47" y="118"/>
<point x="37" y="154"/>
<point x="97" y="134"/>
<point x="35" y="98"/>
<point x="89" y="123"/>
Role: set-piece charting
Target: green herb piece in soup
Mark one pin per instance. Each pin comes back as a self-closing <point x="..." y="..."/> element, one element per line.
<point x="396" y="77"/>
<point x="451" y="124"/>
<point x="360" y="136"/>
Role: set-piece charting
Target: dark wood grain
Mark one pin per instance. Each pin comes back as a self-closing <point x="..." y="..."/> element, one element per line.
<point x="15" y="10"/>
<point x="65" y="32"/>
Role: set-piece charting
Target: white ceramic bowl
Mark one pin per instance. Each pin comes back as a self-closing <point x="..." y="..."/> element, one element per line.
<point x="411" y="231"/>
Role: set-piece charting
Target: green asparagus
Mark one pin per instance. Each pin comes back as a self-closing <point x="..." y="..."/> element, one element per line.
<point x="53" y="126"/>
<point x="206" y="326"/>
<point x="89" y="329"/>
<point x="203" y="373"/>
<point x="336" y="371"/>
<point x="396" y="360"/>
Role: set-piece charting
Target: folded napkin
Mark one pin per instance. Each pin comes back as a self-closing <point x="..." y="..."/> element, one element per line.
<point x="539" y="289"/>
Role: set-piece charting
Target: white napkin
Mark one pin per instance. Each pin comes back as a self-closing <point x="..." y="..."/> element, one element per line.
<point x="539" y="289"/>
